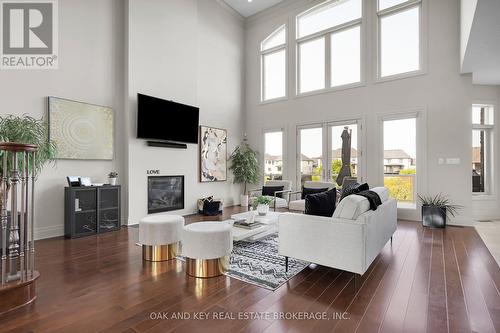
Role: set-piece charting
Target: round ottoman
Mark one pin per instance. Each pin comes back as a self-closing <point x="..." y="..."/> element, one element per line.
<point x="207" y="247"/>
<point x="160" y="236"/>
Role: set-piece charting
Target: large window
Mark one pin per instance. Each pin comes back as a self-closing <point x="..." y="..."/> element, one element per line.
<point x="273" y="65"/>
<point x="329" y="45"/>
<point x="273" y="155"/>
<point x="399" y="159"/>
<point x="399" y="37"/>
<point x="482" y="147"/>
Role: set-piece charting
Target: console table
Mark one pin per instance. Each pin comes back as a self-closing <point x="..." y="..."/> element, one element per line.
<point x="90" y="210"/>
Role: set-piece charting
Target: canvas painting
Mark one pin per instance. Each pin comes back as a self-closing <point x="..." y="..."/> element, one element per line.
<point x="81" y="131"/>
<point x="213" y="154"/>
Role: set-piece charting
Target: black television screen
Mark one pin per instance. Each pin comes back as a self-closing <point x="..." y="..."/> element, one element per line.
<point x="159" y="119"/>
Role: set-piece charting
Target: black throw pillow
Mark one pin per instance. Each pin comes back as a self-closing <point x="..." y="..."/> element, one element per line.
<point x="306" y="191"/>
<point x="269" y="190"/>
<point x="354" y="189"/>
<point x="321" y="204"/>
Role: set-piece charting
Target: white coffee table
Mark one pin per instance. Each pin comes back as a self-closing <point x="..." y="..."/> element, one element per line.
<point x="269" y="221"/>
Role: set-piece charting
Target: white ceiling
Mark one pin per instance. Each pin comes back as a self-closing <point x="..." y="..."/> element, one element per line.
<point x="247" y="9"/>
<point x="482" y="56"/>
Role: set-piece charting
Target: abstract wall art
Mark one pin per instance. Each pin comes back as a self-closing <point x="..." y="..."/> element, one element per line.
<point x="81" y="131"/>
<point x="213" y="154"/>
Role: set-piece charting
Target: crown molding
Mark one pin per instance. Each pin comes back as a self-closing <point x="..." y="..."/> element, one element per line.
<point x="281" y="8"/>
<point x="230" y="10"/>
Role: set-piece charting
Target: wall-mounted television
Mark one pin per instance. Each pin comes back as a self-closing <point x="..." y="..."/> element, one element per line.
<point x="159" y="119"/>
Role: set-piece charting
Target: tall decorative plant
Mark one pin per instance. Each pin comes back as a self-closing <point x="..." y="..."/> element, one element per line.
<point x="245" y="165"/>
<point x="26" y="129"/>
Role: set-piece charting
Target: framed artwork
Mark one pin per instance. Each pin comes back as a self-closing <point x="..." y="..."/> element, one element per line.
<point x="81" y="131"/>
<point x="165" y="193"/>
<point x="213" y="154"/>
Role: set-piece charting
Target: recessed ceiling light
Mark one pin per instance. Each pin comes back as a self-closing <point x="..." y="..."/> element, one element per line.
<point x="249" y="0"/>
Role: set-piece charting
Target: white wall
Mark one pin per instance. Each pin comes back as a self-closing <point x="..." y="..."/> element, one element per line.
<point x="90" y="70"/>
<point x="192" y="52"/>
<point x="442" y="95"/>
<point x="467" y="11"/>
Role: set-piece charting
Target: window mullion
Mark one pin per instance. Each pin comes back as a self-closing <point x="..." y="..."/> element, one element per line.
<point x="328" y="67"/>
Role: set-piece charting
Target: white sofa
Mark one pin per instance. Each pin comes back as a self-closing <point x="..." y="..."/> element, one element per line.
<point x="350" y="240"/>
<point x="300" y="204"/>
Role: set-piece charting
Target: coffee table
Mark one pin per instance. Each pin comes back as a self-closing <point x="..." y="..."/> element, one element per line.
<point x="269" y="221"/>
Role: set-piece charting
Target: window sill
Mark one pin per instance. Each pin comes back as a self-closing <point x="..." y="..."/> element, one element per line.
<point x="332" y="89"/>
<point x="407" y="206"/>
<point x="484" y="197"/>
<point x="400" y="76"/>
<point x="274" y="100"/>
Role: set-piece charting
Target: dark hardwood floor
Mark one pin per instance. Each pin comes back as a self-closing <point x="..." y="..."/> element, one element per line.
<point x="429" y="280"/>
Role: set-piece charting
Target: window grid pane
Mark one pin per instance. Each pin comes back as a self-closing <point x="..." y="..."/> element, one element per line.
<point x="274" y="70"/>
<point x="312" y="65"/>
<point x="400" y="170"/>
<point x="275" y="39"/>
<point x="345" y="59"/>
<point x="400" y="42"/>
<point x="328" y="16"/>
<point x="273" y="156"/>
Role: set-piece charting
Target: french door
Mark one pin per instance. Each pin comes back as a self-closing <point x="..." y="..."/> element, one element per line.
<point x="319" y="150"/>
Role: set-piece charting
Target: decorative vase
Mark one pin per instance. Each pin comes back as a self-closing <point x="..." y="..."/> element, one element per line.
<point x="112" y="181"/>
<point x="244" y="200"/>
<point x="262" y="209"/>
<point x="433" y="216"/>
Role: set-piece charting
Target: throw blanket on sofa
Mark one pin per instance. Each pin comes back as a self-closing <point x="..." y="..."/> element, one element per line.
<point x="373" y="198"/>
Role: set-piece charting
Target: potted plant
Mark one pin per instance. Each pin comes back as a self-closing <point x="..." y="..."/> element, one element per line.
<point x="435" y="209"/>
<point x="27" y="130"/>
<point x="262" y="203"/>
<point x="112" y="177"/>
<point x="245" y="168"/>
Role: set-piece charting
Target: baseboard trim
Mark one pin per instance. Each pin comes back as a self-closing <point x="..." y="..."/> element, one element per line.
<point x="49" y="232"/>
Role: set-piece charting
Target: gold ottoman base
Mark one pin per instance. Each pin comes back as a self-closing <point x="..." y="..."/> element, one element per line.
<point x="206" y="268"/>
<point x="159" y="252"/>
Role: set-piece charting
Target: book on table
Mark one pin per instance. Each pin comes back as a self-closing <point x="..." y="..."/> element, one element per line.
<point x="245" y="225"/>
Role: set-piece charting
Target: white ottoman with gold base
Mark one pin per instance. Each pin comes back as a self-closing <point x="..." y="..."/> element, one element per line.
<point x="160" y="236"/>
<point x="207" y="247"/>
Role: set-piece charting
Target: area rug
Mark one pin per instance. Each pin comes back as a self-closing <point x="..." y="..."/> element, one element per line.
<point x="490" y="234"/>
<point x="260" y="264"/>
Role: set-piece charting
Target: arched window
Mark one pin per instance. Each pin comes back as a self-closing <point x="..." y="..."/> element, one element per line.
<point x="273" y="65"/>
<point x="329" y="45"/>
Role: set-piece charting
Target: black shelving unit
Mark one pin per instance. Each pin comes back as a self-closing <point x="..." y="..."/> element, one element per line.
<point x="91" y="210"/>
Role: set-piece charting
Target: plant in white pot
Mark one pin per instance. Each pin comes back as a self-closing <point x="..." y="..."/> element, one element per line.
<point x="112" y="177"/>
<point x="245" y="168"/>
<point x="262" y="203"/>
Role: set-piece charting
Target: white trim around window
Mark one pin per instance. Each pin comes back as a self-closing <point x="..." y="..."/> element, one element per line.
<point x="423" y="39"/>
<point x="270" y="51"/>
<point x="284" y="154"/>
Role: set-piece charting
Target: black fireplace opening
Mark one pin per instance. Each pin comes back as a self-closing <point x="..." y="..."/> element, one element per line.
<point x="165" y="193"/>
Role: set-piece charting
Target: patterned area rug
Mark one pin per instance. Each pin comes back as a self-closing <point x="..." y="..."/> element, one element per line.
<point x="259" y="263"/>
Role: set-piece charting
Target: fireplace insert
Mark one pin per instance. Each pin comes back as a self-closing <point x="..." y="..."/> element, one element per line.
<point x="165" y="193"/>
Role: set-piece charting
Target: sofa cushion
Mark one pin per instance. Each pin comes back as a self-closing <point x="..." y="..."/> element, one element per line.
<point x="353" y="189"/>
<point x="269" y="190"/>
<point x="306" y="191"/>
<point x="299" y="205"/>
<point x="351" y="207"/>
<point x="321" y="204"/>
<point x="382" y="192"/>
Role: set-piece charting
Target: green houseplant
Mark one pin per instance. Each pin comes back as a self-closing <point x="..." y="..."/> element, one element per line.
<point x="435" y="210"/>
<point x="261" y="203"/>
<point x="26" y="129"/>
<point x="245" y="168"/>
